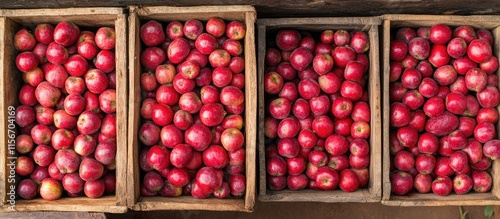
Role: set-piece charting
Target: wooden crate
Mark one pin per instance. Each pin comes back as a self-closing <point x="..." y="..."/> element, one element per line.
<point x="247" y="15"/>
<point x="10" y="83"/>
<point x="374" y="191"/>
<point x="415" y="199"/>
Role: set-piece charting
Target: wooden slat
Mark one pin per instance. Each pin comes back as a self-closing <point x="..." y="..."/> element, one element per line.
<point x="495" y="170"/>
<point x="60" y="12"/>
<point x="53" y="215"/>
<point x="121" y="109"/>
<point x="307" y="195"/>
<point x="80" y="16"/>
<point x="245" y="14"/>
<point x="11" y="83"/>
<point x="9" y="87"/>
<point x="250" y="108"/>
<point x="133" y="115"/>
<point x="105" y="204"/>
<point x="386" y="184"/>
<point x="189" y="203"/>
<point x="374" y="191"/>
<point x="375" y="168"/>
<point x="229" y="12"/>
<point x="261" y="46"/>
<point x="415" y="199"/>
<point x="429" y="199"/>
<point x="296" y="8"/>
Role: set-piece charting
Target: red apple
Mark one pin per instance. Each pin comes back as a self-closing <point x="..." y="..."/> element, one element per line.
<point x="423" y="183"/>
<point x="401" y="183"/>
<point x="329" y="83"/>
<point x="94" y="189"/>
<point x="178" y="50"/>
<point x="67" y="161"/>
<point x="462" y="184"/>
<point x="323" y="126"/>
<point x="25" y="41"/>
<point x="27" y="189"/>
<point x="287" y="40"/>
<point x="398" y="50"/>
<point x="327" y="178"/>
<point x="151" y="33"/>
<point x="50" y="189"/>
<point x="419" y="48"/>
<point x="479" y="50"/>
<point x="88" y="122"/>
<point x="484" y="132"/>
<point x="349" y="181"/>
<point x="301" y="58"/>
<point x="442" y="185"/>
<point x="489" y="97"/>
<point x="482" y="181"/>
<point x="491" y="149"/>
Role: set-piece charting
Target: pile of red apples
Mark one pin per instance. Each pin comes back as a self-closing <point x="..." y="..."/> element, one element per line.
<point x="443" y="115"/>
<point x="192" y="130"/>
<point x="66" y="116"/>
<point x="317" y="112"/>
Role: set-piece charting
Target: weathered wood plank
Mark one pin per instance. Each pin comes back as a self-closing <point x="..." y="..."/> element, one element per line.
<point x="53" y="215"/>
<point x="296" y="8"/>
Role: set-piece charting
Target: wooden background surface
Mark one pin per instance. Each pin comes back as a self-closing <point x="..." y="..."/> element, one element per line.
<point x="281" y="8"/>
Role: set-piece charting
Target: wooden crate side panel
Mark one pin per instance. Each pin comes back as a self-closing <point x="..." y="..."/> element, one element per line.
<point x="485" y="21"/>
<point x="375" y="108"/>
<point x="261" y="43"/>
<point x="495" y="170"/>
<point x="386" y="108"/>
<point x="80" y="16"/>
<point x="8" y="93"/>
<point x="324" y="22"/>
<point x="250" y="110"/>
<point x="60" y="12"/>
<point x="121" y="111"/>
<point x="229" y="12"/>
<point x="105" y="204"/>
<point x="429" y="199"/>
<point x="133" y="186"/>
<point x="360" y="196"/>
<point x="374" y="192"/>
<point x="189" y="203"/>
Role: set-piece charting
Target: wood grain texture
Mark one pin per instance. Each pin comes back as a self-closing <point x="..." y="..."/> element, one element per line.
<point x="53" y="215"/>
<point x="369" y="24"/>
<point x="121" y="109"/>
<point x="11" y="83"/>
<point x="9" y="86"/>
<point x="250" y="108"/>
<point x="473" y="199"/>
<point x="189" y="203"/>
<point x="307" y="195"/>
<point x="495" y="170"/>
<point x="298" y="8"/>
<point x="386" y="159"/>
<point x="261" y="46"/>
<point x="106" y="204"/>
<point x="245" y="14"/>
<point x="133" y="115"/>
